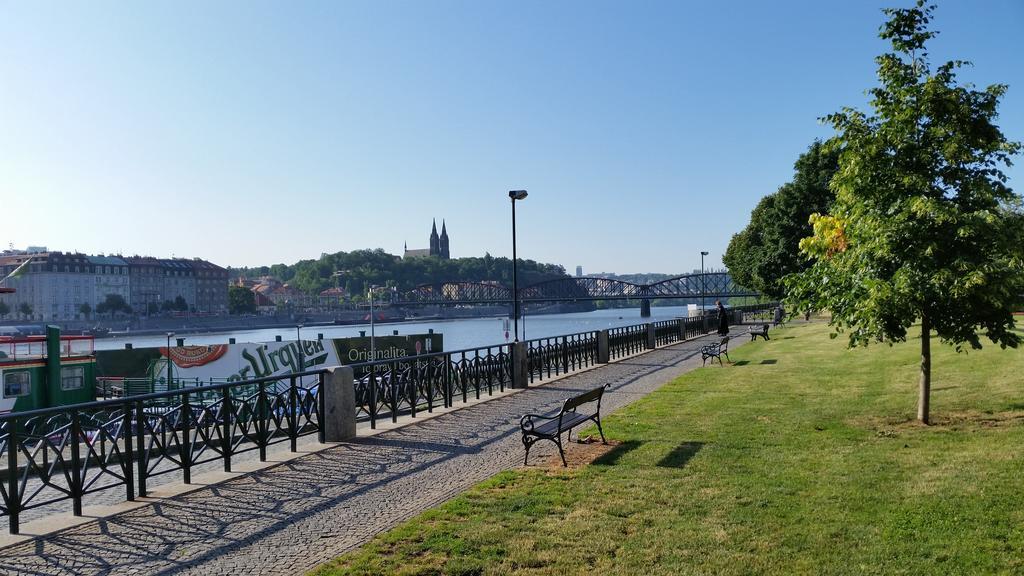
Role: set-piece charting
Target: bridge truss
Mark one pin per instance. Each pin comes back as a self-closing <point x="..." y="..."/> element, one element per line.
<point x="690" y="286"/>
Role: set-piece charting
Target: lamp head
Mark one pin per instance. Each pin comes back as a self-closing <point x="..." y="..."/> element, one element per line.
<point x="517" y="194"/>
<point x="703" y="253"/>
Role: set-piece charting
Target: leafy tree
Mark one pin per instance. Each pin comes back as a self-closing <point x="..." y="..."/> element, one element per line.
<point x="768" y="249"/>
<point x="25" y="309"/>
<point x="4" y="309"/>
<point x="85" y="309"/>
<point x="152" y="308"/>
<point x="167" y="306"/>
<point x="241" y="300"/>
<point x="923" y="227"/>
<point x="180" y="304"/>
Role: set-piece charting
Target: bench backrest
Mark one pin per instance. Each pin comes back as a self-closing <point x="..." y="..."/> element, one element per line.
<point x="724" y="344"/>
<point x="587" y="397"/>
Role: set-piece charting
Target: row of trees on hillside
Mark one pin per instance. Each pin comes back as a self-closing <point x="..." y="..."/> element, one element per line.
<point x="356" y="271"/>
<point x="904" y="216"/>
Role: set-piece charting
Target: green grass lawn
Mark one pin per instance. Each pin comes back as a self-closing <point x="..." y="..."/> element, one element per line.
<point x="801" y="458"/>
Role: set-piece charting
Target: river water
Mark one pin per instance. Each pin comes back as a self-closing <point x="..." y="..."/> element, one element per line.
<point x="458" y="334"/>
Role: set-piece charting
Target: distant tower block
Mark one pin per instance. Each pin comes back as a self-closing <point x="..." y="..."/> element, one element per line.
<point x="579" y="271"/>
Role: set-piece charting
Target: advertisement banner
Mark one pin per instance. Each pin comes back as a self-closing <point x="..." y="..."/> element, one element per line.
<point x="246" y="361"/>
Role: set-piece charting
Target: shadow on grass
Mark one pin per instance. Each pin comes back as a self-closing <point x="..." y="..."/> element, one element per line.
<point x="747" y="362"/>
<point x="611" y="458"/>
<point x="680" y="455"/>
<point x="1017" y="406"/>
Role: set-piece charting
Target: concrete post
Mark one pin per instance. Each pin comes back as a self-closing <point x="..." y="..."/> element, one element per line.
<point x="652" y="341"/>
<point x="339" y="404"/>
<point x="682" y="329"/>
<point x="603" y="350"/>
<point x="520" y="368"/>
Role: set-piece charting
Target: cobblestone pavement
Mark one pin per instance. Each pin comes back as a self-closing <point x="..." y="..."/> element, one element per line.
<point x="292" y="517"/>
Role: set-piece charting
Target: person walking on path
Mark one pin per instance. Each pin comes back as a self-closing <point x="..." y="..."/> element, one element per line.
<point x="723" y="319"/>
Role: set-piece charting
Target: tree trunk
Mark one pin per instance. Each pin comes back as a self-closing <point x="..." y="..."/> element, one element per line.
<point x="926" y="371"/>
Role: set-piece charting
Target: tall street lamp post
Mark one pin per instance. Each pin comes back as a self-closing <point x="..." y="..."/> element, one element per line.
<point x="703" y="283"/>
<point x="515" y="195"/>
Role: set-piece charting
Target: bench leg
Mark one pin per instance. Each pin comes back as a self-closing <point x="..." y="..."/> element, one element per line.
<point x="719" y="361"/>
<point x="558" y="440"/>
<point x="726" y="357"/>
<point x="526" y="443"/>
<point x="600" y="431"/>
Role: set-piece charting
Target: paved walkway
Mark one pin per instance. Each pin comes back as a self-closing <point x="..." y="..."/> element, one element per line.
<point x="295" y="516"/>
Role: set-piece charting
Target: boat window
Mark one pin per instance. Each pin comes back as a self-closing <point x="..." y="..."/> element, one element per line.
<point x="72" y="377"/>
<point x="17" y="384"/>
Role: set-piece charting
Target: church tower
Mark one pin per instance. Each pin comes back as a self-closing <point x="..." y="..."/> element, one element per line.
<point x="445" y="254"/>
<point x="435" y="241"/>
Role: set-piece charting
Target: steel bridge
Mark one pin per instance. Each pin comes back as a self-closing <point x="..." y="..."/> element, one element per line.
<point x="690" y="286"/>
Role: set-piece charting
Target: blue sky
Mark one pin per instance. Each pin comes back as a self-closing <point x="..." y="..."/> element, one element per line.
<point x="260" y="132"/>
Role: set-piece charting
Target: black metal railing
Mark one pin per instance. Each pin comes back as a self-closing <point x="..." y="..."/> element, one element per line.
<point x="560" y="354"/>
<point x="68" y="452"/>
<point x="627" y="340"/>
<point x="389" y="388"/>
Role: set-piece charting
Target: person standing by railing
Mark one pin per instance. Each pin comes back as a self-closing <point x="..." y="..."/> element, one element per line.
<point x="723" y="319"/>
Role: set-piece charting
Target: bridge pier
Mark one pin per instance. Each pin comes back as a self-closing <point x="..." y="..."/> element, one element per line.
<point x="645" y="308"/>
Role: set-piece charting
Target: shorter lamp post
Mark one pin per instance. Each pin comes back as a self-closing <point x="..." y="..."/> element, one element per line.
<point x="373" y="335"/>
<point x="298" y="343"/>
<point x="703" y="284"/>
<point x="169" y="375"/>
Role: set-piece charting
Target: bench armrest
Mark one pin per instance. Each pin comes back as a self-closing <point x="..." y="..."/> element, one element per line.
<point x="526" y="422"/>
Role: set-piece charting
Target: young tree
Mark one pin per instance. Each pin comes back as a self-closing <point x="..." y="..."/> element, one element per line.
<point x="25" y="309"/>
<point x="923" y="227"/>
<point x="4" y="309"/>
<point x="85" y="309"/>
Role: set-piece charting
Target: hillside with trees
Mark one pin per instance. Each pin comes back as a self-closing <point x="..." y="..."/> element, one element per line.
<point x="355" y="271"/>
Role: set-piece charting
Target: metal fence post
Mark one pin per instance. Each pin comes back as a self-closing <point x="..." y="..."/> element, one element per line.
<point x="225" y="433"/>
<point x="76" y="464"/>
<point x="321" y="412"/>
<point x="262" y="415"/>
<point x="13" y="494"/>
<point x="129" y="457"/>
<point x="293" y="417"/>
<point x="186" y="437"/>
<point x="140" y="445"/>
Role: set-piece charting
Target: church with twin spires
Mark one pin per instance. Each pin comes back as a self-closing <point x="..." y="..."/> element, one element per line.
<point x="438" y="244"/>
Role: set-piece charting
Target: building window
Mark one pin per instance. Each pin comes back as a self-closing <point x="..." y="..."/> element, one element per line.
<point x="72" y="378"/>
<point x="17" y="384"/>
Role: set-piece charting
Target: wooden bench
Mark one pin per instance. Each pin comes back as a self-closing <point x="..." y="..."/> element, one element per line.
<point x="761" y="331"/>
<point x="715" y="350"/>
<point x="536" y="427"/>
